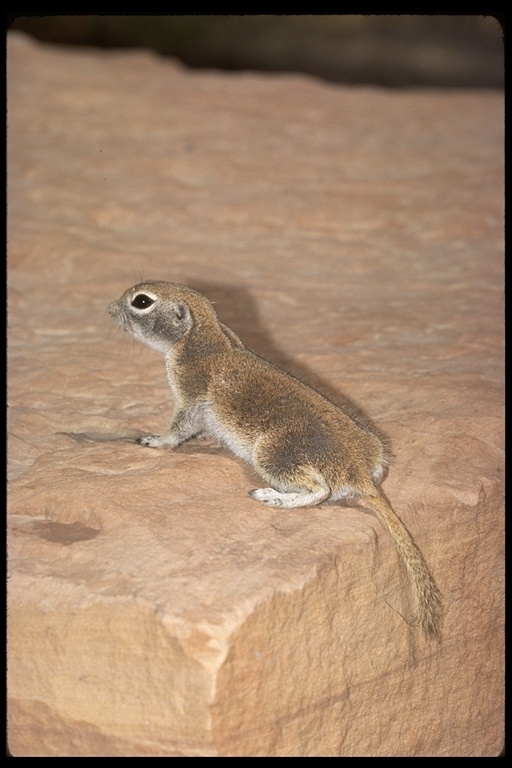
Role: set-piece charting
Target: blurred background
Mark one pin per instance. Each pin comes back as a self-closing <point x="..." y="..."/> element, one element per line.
<point x="457" y="51"/>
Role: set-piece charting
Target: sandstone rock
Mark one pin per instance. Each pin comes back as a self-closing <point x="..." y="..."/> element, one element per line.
<point x="352" y="235"/>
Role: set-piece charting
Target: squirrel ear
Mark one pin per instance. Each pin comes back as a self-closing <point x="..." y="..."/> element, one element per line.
<point x="180" y="313"/>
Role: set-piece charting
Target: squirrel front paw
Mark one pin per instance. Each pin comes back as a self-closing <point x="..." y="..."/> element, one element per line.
<point x="150" y="441"/>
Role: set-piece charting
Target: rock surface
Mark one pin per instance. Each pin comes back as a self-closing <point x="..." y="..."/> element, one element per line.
<point x="353" y="236"/>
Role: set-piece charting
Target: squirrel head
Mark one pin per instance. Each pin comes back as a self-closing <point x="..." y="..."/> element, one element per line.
<point x="160" y="314"/>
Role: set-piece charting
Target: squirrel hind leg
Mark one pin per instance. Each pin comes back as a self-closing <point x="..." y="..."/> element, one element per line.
<point x="289" y="499"/>
<point x="303" y="486"/>
<point x="295" y="482"/>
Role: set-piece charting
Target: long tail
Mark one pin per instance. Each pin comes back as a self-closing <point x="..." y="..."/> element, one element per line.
<point x="427" y="596"/>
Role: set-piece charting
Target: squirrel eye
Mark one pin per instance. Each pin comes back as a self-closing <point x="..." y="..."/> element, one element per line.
<point x="141" y="301"/>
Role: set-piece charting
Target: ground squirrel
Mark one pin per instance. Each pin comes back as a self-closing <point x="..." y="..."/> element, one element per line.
<point x="304" y="446"/>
